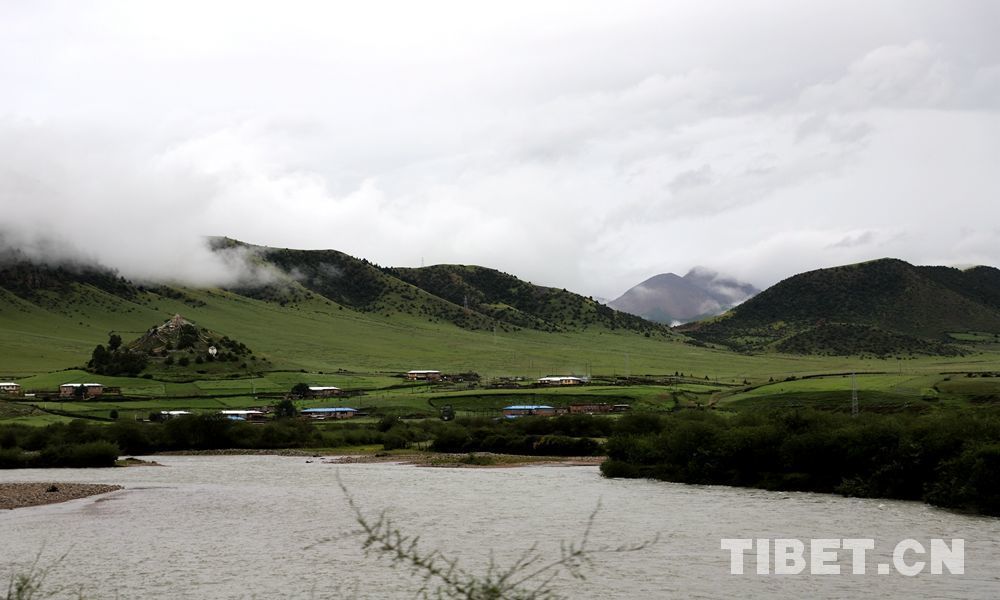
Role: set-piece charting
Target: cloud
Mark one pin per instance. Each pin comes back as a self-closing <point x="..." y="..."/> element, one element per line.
<point x="863" y="238"/>
<point x="910" y="76"/>
<point x="584" y="148"/>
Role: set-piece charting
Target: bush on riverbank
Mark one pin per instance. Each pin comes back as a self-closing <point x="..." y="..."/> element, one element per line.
<point x="948" y="458"/>
<point x="90" y="454"/>
<point x="561" y="436"/>
<point x="81" y="444"/>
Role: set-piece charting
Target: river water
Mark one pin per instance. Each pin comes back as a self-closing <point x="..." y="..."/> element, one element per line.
<point x="279" y="527"/>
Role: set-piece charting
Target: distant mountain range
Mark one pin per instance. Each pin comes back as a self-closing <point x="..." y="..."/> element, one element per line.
<point x="882" y="307"/>
<point x="470" y="297"/>
<point x="669" y="298"/>
<point x="879" y="308"/>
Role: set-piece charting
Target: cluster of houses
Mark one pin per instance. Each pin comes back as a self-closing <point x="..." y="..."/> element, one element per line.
<point x="429" y="375"/>
<point x="260" y="415"/>
<point x="92" y="390"/>
<point x="66" y="390"/>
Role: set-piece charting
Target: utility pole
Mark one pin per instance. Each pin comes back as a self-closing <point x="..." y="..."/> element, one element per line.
<point x="854" y="396"/>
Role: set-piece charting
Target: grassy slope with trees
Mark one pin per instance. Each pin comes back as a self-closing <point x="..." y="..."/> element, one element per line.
<point x="884" y="308"/>
<point x="514" y="301"/>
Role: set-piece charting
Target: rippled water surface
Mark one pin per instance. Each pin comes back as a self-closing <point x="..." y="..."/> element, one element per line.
<point x="266" y="527"/>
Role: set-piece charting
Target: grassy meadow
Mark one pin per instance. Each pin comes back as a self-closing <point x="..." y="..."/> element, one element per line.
<point x="318" y="342"/>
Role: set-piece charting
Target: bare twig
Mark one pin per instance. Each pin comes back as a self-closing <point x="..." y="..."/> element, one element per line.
<point x="529" y="577"/>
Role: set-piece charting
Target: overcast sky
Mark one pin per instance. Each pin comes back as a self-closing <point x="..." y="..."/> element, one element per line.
<point x="585" y="145"/>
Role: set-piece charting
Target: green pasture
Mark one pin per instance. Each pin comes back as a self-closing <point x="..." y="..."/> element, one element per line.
<point x="320" y="343"/>
<point x="320" y="337"/>
<point x="882" y="392"/>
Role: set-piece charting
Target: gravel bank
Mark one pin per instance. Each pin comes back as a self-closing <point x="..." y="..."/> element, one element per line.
<point x="18" y="495"/>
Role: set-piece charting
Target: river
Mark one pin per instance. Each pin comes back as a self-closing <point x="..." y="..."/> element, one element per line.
<point x="206" y="527"/>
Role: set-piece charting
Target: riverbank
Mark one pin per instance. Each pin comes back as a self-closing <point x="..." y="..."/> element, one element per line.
<point x="20" y="495"/>
<point x="407" y="457"/>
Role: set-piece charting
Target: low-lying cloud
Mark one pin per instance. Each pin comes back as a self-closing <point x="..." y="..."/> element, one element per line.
<point x="589" y="151"/>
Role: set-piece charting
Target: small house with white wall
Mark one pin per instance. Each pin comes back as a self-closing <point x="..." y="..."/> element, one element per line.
<point x="166" y="415"/>
<point x="561" y="380"/>
<point x="423" y="375"/>
<point x="324" y="391"/>
<point x="9" y="388"/>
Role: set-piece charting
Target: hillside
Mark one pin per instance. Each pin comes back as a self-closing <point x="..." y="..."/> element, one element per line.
<point x="470" y="297"/>
<point x="880" y="307"/>
<point x="508" y="299"/>
<point x="669" y="298"/>
<point x="328" y="312"/>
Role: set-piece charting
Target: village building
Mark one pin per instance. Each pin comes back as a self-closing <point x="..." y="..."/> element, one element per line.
<point x="329" y="413"/>
<point x="324" y="391"/>
<point x="10" y="388"/>
<point x="590" y="408"/>
<point x="243" y="415"/>
<point x="171" y="414"/>
<point x="423" y="375"/>
<point x="524" y="410"/>
<point x="561" y="380"/>
<point x="68" y="390"/>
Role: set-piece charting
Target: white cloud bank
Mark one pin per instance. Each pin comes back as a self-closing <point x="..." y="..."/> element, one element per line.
<point x="565" y="142"/>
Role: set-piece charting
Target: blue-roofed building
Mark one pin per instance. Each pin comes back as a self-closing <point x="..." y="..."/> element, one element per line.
<point x="523" y="410"/>
<point x="329" y="413"/>
<point x="243" y="415"/>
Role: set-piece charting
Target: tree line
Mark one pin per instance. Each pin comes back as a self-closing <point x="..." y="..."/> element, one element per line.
<point x="946" y="458"/>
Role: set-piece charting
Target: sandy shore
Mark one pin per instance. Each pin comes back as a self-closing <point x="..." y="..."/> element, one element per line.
<point x="18" y="495"/>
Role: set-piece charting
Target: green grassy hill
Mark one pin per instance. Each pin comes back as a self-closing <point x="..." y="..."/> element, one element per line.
<point x="883" y="307"/>
<point x="470" y="297"/>
<point x="510" y="300"/>
<point x="332" y="313"/>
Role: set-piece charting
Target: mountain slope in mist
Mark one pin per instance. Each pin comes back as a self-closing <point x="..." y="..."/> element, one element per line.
<point x="307" y="304"/>
<point x="470" y="297"/>
<point x="669" y="298"/>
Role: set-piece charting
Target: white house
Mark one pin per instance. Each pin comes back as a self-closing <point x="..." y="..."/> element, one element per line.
<point x="421" y="374"/>
<point x="561" y="380"/>
<point x="324" y="391"/>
